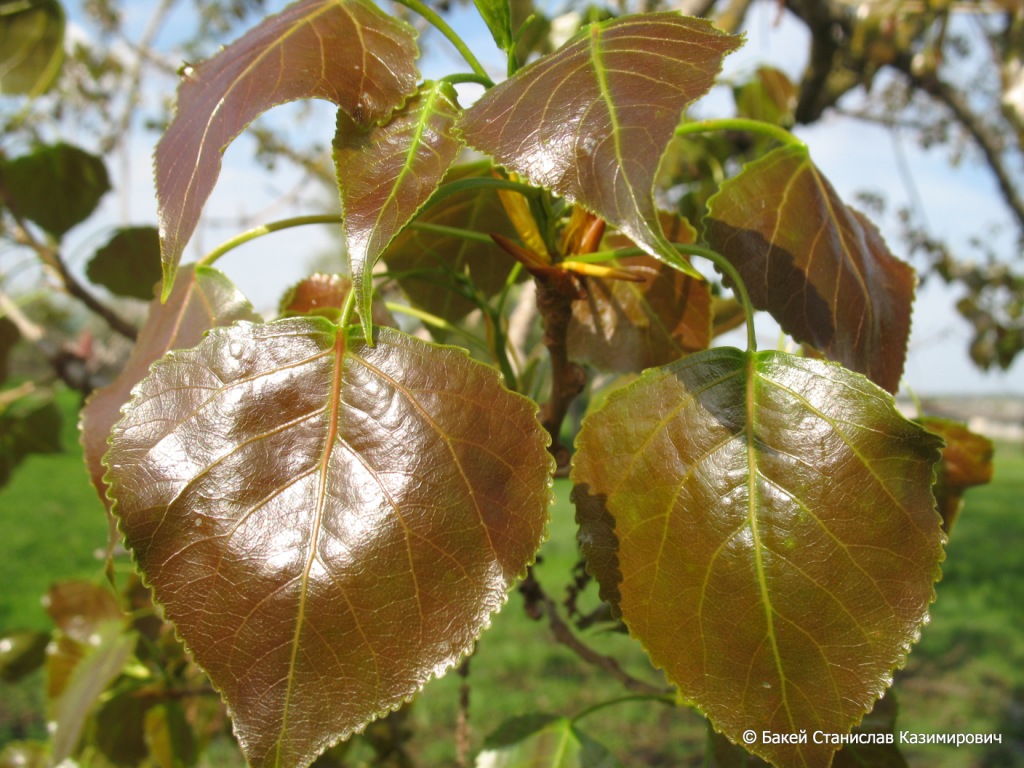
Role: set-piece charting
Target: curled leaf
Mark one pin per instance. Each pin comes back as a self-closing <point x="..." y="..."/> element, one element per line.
<point x="345" y="51"/>
<point x="328" y="524"/>
<point x="819" y="267"/>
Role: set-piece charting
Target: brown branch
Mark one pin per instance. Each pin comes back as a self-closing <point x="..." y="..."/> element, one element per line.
<point x="51" y="258"/>
<point x="539" y="603"/>
<point x="462" y="731"/>
<point x="948" y="96"/>
<point x="555" y="295"/>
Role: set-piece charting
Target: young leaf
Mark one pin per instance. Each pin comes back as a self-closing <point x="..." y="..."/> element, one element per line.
<point x="625" y="327"/>
<point x="430" y="263"/>
<point x="966" y="462"/>
<point x="346" y="51"/>
<point x="55" y="186"/>
<point x="543" y="741"/>
<point x="328" y="524"/>
<point x="202" y="299"/>
<point x="129" y="264"/>
<point x="29" y="424"/>
<point x="324" y="295"/>
<point x="765" y="526"/>
<point x="31" y="45"/>
<point x="386" y="174"/>
<point x="80" y="608"/>
<point x="820" y="268"/>
<point x="498" y="16"/>
<point x="592" y="120"/>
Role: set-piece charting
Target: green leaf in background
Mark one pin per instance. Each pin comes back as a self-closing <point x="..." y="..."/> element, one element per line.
<point x="31" y="45"/>
<point x="386" y="174"/>
<point x="202" y="298"/>
<point x="346" y="51"/>
<point x="769" y="96"/>
<point x="25" y="754"/>
<point x="129" y="264"/>
<point x="56" y="186"/>
<point x="966" y="462"/>
<point x="592" y="120"/>
<point x="765" y="526"/>
<point x="820" y="268"/>
<point x="118" y="729"/>
<point x="498" y="16"/>
<point x="9" y="336"/>
<point x="328" y="524"/>
<point x="21" y="653"/>
<point x="429" y="264"/>
<point x="29" y="423"/>
<point x="543" y="741"/>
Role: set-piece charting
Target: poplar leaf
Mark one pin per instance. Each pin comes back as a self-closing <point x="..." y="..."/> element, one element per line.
<point x="201" y="299"/>
<point x="386" y="174"/>
<point x="31" y="45"/>
<point x="764" y="525"/>
<point x="345" y="51"/>
<point x="819" y="267"/>
<point x="592" y="120"/>
<point x="328" y="524"/>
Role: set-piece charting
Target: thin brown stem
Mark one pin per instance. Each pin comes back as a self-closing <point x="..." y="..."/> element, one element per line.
<point x="462" y="732"/>
<point x="538" y="604"/>
<point x="51" y="257"/>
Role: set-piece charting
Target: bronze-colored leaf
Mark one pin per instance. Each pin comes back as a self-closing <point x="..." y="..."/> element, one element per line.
<point x="966" y="462"/>
<point x="324" y="295"/>
<point x="765" y="526"/>
<point x="624" y="327"/>
<point x="820" y="268"/>
<point x="328" y="524"/>
<point x="202" y="299"/>
<point x="346" y="51"/>
<point x="592" y="120"/>
<point x="79" y="608"/>
<point x="386" y="174"/>
<point x="430" y="264"/>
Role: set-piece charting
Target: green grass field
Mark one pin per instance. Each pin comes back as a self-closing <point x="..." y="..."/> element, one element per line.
<point x="967" y="674"/>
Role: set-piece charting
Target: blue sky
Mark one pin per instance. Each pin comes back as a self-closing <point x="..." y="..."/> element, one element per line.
<point x="855" y="156"/>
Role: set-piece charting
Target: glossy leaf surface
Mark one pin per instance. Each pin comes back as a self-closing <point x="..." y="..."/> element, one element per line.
<point x="386" y="174"/>
<point x="430" y="265"/>
<point x="202" y="298"/>
<point x="764" y="525"/>
<point x="592" y="120"/>
<point x="324" y="295"/>
<point x="55" y="186"/>
<point x="819" y="267"/>
<point x="625" y="327"/>
<point x="543" y="741"/>
<point x="129" y="264"/>
<point x="966" y="462"/>
<point x="328" y="524"/>
<point x="31" y="45"/>
<point x="346" y="51"/>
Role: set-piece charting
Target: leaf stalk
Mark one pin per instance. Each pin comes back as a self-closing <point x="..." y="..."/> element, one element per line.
<point x="442" y="26"/>
<point x="265" y="229"/>
<point x="741" y="124"/>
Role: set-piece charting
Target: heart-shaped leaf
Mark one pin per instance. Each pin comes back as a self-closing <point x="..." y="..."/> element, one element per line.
<point x="346" y="51"/>
<point x="31" y="45"/>
<point x="386" y="174"/>
<point x="55" y="186"/>
<point x="129" y="264"/>
<point x="764" y="524"/>
<point x="820" y="268"/>
<point x="328" y="524"/>
<point x="592" y="120"/>
<point x="202" y="299"/>
<point x="430" y="264"/>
